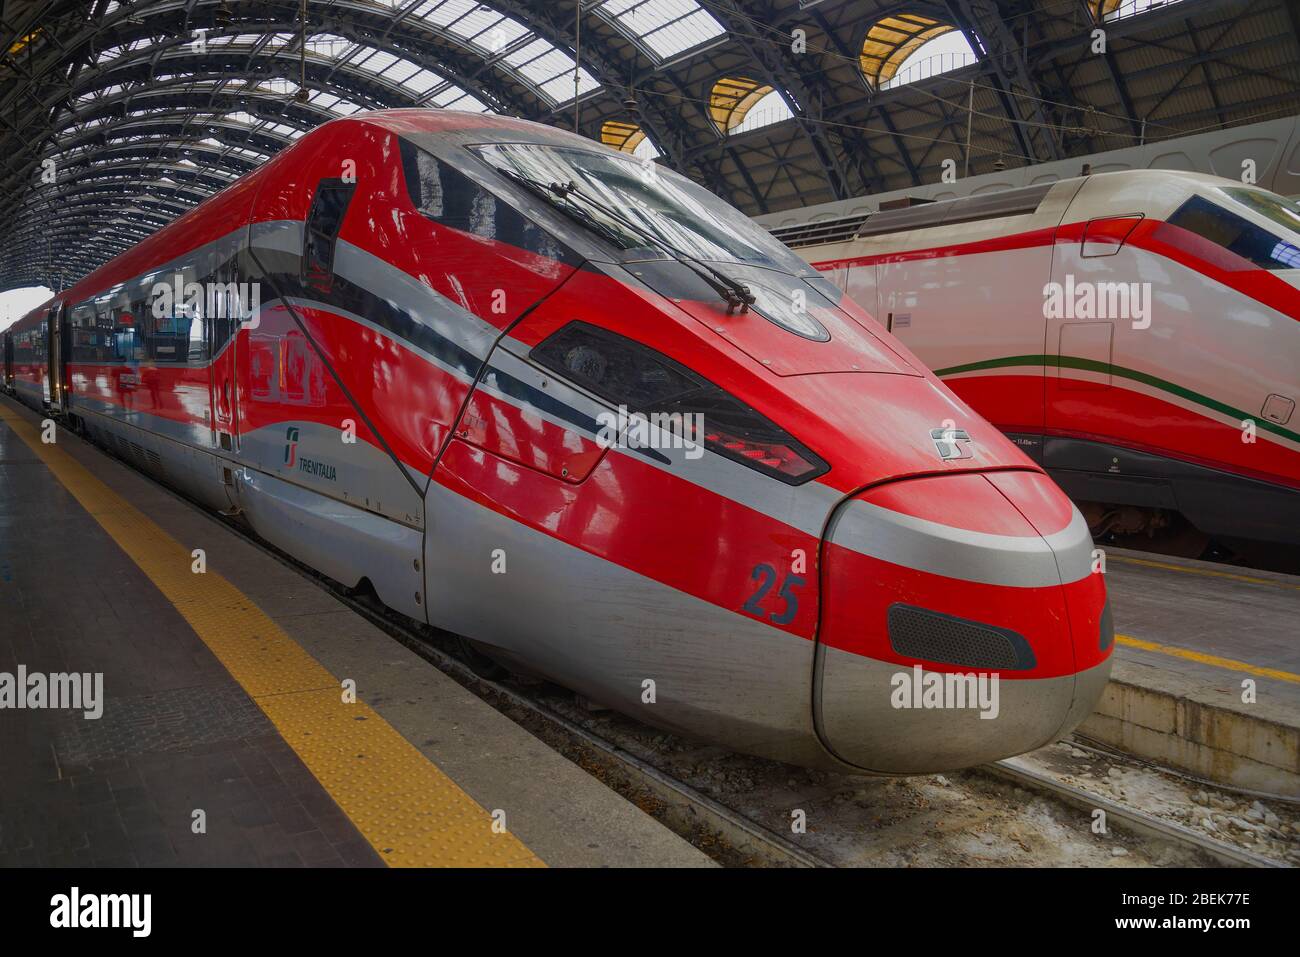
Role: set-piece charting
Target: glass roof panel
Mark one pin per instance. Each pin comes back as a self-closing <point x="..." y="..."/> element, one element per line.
<point x="484" y="27"/>
<point x="114" y="52"/>
<point x="328" y="45"/>
<point x="772" y="108"/>
<point x="414" y="79"/>
<point x="454" y="98"/>
<point x="941" y="54"/>
<point x="1122" y="9"/>
<point x="422" y="81"/>
<point x="537" y="61"/>
<point x="550" y="69"/>
<point x="667" y="27"/>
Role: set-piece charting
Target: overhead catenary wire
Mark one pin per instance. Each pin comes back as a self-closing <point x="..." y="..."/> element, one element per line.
<point x="880" y="131"/>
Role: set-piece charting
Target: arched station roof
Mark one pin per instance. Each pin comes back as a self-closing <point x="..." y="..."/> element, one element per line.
<point x="118" y="115"/>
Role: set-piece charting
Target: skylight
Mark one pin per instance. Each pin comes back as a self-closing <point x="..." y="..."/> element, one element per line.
<point x="942" y="54"/>
<point x="414" y="79"/>
<point x="772" y="108"/>
<point x="667" y="27"/>
<point x="482" y="26"/>
<point x="493" y="34"/>
<point x="551" y="70"/>
<point x="1109" y="10"/>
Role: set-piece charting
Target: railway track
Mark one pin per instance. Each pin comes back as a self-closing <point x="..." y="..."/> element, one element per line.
<point x="689" y="810"/>
<point x="1130" y="818"/>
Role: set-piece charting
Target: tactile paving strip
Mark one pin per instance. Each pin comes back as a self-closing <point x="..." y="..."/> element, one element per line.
<point x="411" y="812"/>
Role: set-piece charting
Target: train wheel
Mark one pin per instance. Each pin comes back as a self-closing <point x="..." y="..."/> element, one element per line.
<point x="482" y="665"/>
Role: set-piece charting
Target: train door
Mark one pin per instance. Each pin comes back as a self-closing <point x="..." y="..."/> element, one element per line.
<point x="59" y="339"/>
<point x="1089" y="306"/>
<point x="223" y="380"/>
<point x="8" y="381"/>
<point x="1082" y="303"/>
<point x="49" y="378"/>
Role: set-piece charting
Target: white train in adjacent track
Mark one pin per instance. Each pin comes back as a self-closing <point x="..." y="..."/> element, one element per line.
<point x="1137" y="331"/>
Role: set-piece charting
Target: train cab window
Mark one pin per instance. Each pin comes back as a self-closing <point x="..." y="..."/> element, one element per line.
<point x="1285" y="212"/>
<point x="612" y="195"/>
<point x="1236" y="234"/>
<point x="447" y="196"/>
<point x="324" y="220"/>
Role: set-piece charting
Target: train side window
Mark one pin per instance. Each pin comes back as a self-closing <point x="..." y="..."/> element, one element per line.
<point x="1236" y="234"/>
<point x="217" y="322"/>
<point x="87" y="341"/>
<point x="196" y="341"/>
<point x="168" y="336"/>
<point x="324" y="220"/>
<point x="128" y="342"/>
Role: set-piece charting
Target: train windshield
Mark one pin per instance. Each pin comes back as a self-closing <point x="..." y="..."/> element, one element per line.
<point x="1285" y="212"/>
<point x="645" y="201"/>
<point x="1236" y="233"/>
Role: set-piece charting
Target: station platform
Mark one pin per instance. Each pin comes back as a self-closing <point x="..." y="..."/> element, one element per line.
<point x="223" y="736"/>
<point x="1207" y="670"/>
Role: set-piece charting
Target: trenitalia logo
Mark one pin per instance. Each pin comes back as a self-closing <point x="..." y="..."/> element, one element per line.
<point x="951" y="443"/>
<point x="291" y="447"/>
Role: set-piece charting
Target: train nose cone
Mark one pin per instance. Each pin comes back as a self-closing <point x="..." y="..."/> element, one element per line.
<point x="962" y="622"/>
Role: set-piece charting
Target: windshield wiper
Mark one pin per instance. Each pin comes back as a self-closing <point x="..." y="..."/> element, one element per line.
<point x="734" y="293"/>
<point x="576" y="213"/>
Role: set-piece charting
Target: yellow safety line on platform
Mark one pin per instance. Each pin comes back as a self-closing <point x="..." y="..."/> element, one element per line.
<point x="1208" y="572"/>
<point x="405" y="806"/>
<point x="1202" y="658"/>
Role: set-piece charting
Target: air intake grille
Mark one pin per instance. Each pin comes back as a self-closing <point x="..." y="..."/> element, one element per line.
<point x="933" y="636"/>
<point x="1107" y="627"/>
<point x="820" y="233"/>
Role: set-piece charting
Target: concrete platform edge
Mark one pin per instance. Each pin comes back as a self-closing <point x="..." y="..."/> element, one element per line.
<point x="1149" y="713"/>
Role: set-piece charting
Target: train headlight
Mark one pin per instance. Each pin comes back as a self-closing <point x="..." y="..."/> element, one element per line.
<point x="626" y="373"/>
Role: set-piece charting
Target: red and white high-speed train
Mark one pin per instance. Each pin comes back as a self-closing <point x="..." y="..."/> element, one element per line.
<point x="1136" y="332"/>
<point x="849" y="568"/>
